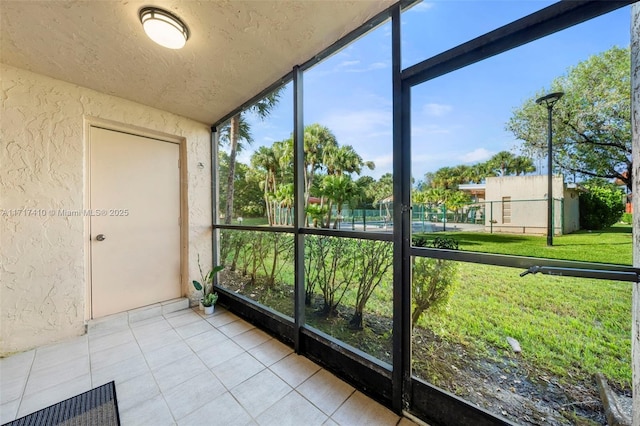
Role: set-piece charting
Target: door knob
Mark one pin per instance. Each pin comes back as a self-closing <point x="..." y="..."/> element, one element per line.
<point x="100" y="237"/>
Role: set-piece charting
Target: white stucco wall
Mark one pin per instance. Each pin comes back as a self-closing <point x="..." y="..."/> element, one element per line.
<point x="42" y="167"/>
<point x="528" y="203"/>
<point x="571" y="220"/>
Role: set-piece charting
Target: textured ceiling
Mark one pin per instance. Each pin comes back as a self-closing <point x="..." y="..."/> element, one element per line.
<point x="236" y="48"/>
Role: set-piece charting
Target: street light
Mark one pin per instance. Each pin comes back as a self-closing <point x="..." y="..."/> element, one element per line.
<point x="549" y="101"/>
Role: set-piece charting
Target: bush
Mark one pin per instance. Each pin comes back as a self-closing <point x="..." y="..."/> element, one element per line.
<point x="601" y="205"/>
<point x="627" y="218"/>
<point x="424" y="240"/>
<point x="433" y="280"/>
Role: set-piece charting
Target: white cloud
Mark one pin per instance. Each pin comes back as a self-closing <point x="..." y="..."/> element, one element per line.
<point x="384" y="162"/>
<point x="369" y="131"/>
<point x="419" y="131"/>
<point x="346" y="64"/>
<point x="423" y="6"/>
<point x="350" y="66"/>
<point x="436" y="110"/>
<point x="479" y="154"/>
<point x="355" y="126"/>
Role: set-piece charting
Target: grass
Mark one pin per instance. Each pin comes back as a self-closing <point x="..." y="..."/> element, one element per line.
<point x="611" y="245"/>
<point x="569" y="328"/>
<point x="251" y="221"/>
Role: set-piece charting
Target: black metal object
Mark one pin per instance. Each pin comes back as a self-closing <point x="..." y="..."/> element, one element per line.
<point x="402" y="224"/>
<point x="298" y="188"/>
<point x="549" y="20"/>
<point x="549" y="101"/>
<point x="348" y="234"/>
<point x="266" y="92"/>
<point x="275" y="229"/>
<point x="339" y="44"/>
<point x="439" y="407"/>
<point x="365" y="373"/>
<point x="266" y="318"/>
<point x="214" y="197"/>
<point x="601" y="274"/>
<point x="395" y="387"/>
<point x="361" y="370"/>
<point x="598" y="270"/>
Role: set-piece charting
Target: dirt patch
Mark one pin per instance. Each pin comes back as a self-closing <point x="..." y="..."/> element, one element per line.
<point x="498" y="381"/>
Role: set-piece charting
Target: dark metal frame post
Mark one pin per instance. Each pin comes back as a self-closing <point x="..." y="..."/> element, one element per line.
<point x="215" y="252"/>
<point x="401" y="374"/>
<point x="298" y="220"/>
<point x="550" y="178"/>
<point x="549" y="101"/>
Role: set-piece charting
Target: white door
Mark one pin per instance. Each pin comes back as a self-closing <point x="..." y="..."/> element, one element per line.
<point x="135" y="221"/>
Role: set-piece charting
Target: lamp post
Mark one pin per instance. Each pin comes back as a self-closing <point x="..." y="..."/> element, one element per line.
<point x="549" y="101"/>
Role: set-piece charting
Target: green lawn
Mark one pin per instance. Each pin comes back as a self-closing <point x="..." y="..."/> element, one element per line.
<point x="612" y="245"/>
<point x="251" y="221"/>
<point x="570" y="327"/>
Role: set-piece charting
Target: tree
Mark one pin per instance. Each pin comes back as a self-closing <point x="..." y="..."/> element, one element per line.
<point x="247" y="190"/>
<point x="591" y="123"/>
<point x="601" y="205"/>
<point x="317" y="139"/>
<point x="233" y="133"/>
<point x="339" y="189"/>
<point x="330" y="265"/>
<point x="365" y="183"/>
<point x="344" y="159"/>
<point x="264" y="159"/>
<point x="374" y="261"/>
<point x="382" y="189"/>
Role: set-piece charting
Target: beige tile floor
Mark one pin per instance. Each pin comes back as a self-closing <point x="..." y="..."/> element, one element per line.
<point x="184" y="368"/>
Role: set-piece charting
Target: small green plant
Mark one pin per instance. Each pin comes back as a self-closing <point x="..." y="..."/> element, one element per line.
<point x="210" y="299"/>
<point x="206" y="284"/>
<point x="627" y="218"/>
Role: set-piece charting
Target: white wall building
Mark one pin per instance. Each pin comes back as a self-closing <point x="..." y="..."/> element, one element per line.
<point x="518" y="204"/>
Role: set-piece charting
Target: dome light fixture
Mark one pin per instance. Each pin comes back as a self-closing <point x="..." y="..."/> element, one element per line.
<point x="164" y="27"/>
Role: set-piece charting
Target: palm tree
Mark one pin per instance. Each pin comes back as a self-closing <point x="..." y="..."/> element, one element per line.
<point x="339" y="189"/>
<point x="238" y="129"/>
<point x="265" y="160"/>
<point x="502" y="163"/>
<point x="317" y="140"/>
<point x="344" y="159"/>
<point x="456" y="200"/>
<point x="284" y="196"/>
<point x="523" y="165"/>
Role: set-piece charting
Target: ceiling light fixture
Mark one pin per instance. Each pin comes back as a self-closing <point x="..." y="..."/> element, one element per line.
<point x="164" y="27"/>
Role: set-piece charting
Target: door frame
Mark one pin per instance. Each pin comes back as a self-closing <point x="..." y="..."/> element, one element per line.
<point x="88" y="123"/>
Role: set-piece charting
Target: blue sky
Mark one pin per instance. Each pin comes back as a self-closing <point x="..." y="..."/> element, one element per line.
<point x="458" y="118"/>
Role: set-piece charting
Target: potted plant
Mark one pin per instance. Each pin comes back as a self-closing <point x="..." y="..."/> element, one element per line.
<point x="209" y="302"/>
<point x="209" y="297"/>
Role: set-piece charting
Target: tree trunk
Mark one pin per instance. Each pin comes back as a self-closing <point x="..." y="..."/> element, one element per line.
<point x="356" y="320"/>
<point x="635" y="143"/>
<point x="415" y="316"/>
<point x="233" y="142"/>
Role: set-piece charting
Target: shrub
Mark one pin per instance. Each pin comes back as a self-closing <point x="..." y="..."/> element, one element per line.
<point x="423" y="240"/>
<point x="627" y="218"/>
<point x="601" y="205"/>
<point x="433" y="280"/>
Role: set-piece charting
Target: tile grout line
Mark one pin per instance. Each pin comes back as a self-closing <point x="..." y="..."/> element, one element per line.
<point x="175" y="421"/>
<point x="342" y="404"/>
<point x="24" y="387"/>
